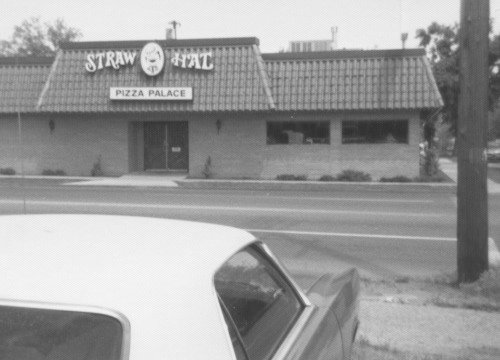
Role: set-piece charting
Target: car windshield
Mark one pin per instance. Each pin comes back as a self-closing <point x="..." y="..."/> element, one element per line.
<point x="42" y="334"/>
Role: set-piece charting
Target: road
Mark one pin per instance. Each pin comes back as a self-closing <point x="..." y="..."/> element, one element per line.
<point x="382" y="234"/>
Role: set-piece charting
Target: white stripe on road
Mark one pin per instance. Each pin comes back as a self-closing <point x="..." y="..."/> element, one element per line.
<point x="358" y="235"/>
<point x="493" y="253"/>
<point x="219" y="208"/>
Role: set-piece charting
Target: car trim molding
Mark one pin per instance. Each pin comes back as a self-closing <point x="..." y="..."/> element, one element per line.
<point x="294" y="333"/>
<point x="303" y="298"/>
<point x="125" y="323"/>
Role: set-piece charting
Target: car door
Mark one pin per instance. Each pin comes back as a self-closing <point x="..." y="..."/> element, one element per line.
<point x="267" y="316"/>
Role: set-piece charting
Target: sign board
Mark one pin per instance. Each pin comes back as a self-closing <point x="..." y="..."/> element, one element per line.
<point x="152" y="59"/>
<point x="151" y="93"/>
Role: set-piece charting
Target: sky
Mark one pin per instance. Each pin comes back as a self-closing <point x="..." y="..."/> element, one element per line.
<point x="362" y="24"/>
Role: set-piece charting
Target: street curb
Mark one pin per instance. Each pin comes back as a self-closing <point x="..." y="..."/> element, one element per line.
<point x="275" y="185"/>
<point x="49" y="177"/>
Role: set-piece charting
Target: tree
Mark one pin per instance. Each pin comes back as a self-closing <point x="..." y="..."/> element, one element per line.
<point x="34" y="38"/>
<point x="442" y="45"/>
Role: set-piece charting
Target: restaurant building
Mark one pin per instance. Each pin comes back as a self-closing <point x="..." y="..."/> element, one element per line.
<point x="215" y="105"/>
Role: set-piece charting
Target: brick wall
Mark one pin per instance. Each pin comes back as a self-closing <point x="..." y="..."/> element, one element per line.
<point x="239" y="150"/>
<point x="73" y="146"/>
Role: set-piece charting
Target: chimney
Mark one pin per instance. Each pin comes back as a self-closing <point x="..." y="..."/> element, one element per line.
<point x="169" y="34"/>
<point x="335" y="31"/>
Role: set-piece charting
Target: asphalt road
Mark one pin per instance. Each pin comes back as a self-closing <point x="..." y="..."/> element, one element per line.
<point x="382" y="234"/>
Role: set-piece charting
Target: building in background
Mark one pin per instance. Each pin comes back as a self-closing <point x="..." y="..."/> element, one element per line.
<point x="315" y="45"/>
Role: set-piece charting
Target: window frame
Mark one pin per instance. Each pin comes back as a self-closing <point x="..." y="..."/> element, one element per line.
<point x="402" y="120"/>
<point x="121" y="318"/>
<point x="327" y="122"/>
<point x="294" y="330"/>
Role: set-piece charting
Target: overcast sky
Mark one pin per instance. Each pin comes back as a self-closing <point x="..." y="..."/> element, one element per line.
<point x="364" y="24"/>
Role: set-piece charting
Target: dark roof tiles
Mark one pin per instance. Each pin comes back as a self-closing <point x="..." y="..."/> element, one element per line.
<point x="242" y="80"/>
<point x="21" y="82"/>
<point x="236" y="83"/>
<point x="352" y="80"/>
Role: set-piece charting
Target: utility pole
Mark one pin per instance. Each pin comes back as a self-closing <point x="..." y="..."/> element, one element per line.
<point x="472" y="195"/>
<point x="175" y="24"/>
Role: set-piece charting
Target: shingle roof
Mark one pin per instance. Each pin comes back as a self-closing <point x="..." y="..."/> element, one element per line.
<point x="237" y="83"/>
<point x="352" y="80"/>
<point x="21" y="81"/>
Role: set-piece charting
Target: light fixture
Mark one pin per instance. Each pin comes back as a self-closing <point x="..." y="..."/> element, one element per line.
<point x="218" y="124"/>
<point x="52" y="125"/>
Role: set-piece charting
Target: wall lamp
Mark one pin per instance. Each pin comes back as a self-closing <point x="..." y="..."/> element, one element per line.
<point x="218" y="124"/>
<point x="52" y="125"/>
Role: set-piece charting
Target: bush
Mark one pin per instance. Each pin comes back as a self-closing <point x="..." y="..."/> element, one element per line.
<point x="57" y="172"/>
<point x="207" y="169"/>
<point x="353" y="175"/>
<point x="7" y="171"/>
<point x="438" y="177"/>
<point x="398" y="178"/>
<point x="97" y="168"/>
<point x="327" y="178"/>
<point x="429" y="162"/>
<point x="290" y="177"/>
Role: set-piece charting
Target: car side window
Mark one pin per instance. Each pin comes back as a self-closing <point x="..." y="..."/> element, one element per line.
<point x="260" y="302"/>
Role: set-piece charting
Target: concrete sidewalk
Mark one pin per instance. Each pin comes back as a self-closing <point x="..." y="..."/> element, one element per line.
<point x="420" y="329"/>
<point x="139" y="180"/>
<point x="449" y="167"/>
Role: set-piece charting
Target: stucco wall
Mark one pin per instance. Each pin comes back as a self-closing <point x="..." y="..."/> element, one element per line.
<point x="239" y="150"/>
<point x="73" y="146"/>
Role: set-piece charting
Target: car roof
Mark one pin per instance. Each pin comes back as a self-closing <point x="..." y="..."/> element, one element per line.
<point x="157" y="272"/>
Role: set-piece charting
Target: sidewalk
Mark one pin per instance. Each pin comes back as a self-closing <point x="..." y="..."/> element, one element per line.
<point x="449" y="167"/>
<point x="139" y="180"/>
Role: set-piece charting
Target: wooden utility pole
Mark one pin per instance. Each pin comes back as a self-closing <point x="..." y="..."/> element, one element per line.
<point x="472" y="195"/>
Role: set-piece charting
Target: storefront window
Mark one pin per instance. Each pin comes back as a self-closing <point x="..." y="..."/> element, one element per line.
<point x="375" y="132"/>
<point x="298" y="132"/>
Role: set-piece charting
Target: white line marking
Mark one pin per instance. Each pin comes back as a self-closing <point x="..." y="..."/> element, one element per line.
<point x="221" y="208"/>
<point x="373" y="236"/>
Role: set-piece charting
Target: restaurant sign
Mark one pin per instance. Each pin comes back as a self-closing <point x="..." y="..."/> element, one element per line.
<point x="151" y="93"/>
<point x="113" y="59"/>
<point x="152" y="60"/>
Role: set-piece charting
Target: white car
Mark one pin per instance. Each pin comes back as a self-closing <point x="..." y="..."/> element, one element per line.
<point x="94" y="287"/>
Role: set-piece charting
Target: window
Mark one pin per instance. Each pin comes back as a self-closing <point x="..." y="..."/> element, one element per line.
<point x="375" y="132"/>
<point x="260" y="303"/>
<point x="28" y="333"/>
<point x="298" y="132"/>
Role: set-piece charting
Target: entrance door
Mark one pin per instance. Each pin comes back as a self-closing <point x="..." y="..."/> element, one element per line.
<point x="178" y="155"/>
<point x="154" y="146"/>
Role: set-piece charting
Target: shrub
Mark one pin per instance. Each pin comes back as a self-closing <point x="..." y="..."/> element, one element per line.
<point x="285" y="177"/>
<point x="7" y="171"/>
<point x="207" y="169"/>
<point x="430" y="162"/>
<point x="97" y="167"/>
<point x="398" y="178"/>
<point x="327" y="178"/>
<point x="353" y="175"/>
<point x="50" y="172"/>
<point x="438" y="177"/>
<point x="290" y="177"/>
